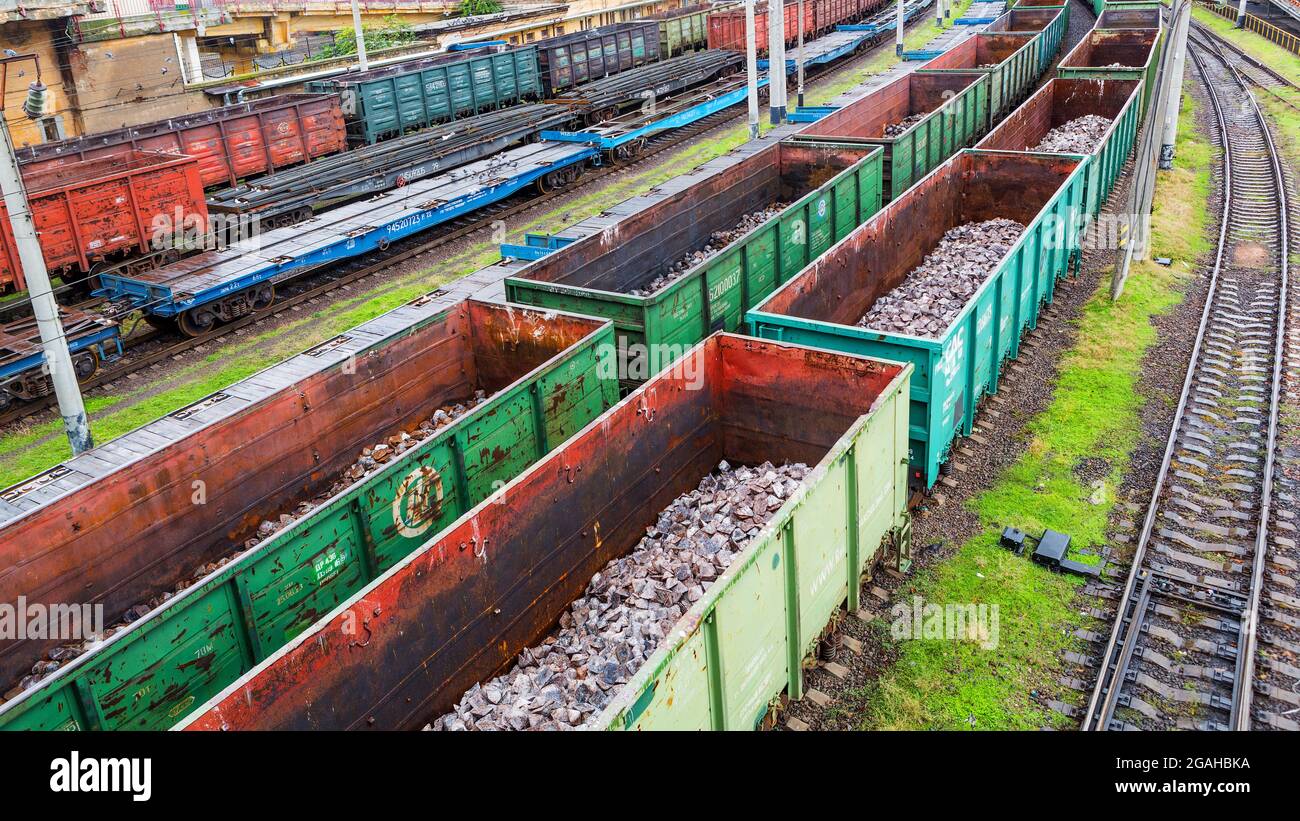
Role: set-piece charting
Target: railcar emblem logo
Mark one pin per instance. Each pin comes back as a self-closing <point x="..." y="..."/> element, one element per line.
<point x="418" y="501"/>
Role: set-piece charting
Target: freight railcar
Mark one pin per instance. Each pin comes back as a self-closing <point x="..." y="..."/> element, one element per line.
<point x="681" y="30"/>
<point x="727" y="27"/>
<point x="1116" y="54"/>
<point x="318" y="475"/>
<point x="1060" y="102"/>
<point x="955" y="367"/>
<point x="570" y="60"/>
<point x="450" y="621"/>
<point x="652" y="275"/>
<point x="389" y="101"/>
<point x="104" y="209"/>
<point x="1012" y="62"/>
<point x="919" y="120"/>
<point x="230" y="143"/>
<point x="91" y="339"/>
<point x="1052" y="22"/>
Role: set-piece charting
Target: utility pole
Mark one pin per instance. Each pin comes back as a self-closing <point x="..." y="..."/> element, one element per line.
<point x="938" y="12"/>
<point x="776" y="60"/>
<point x="898" y="34"/>
<point x="1180" y="22"/>
<point x="361" y="40"/>
<point x="751" y="67"/>
<point x="799" y="53"/>
<point x="58" y="360"/>
<point x="1241" y="14"/>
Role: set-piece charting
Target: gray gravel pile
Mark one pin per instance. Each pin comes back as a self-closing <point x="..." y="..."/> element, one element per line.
<point x="932" y="295"/>
<point x="717" y="241"/>
<point x="370" y="460"/>
<point x="629" y="606"/>
<point x="1081" y="135"/>
<point x="895" y="129"/>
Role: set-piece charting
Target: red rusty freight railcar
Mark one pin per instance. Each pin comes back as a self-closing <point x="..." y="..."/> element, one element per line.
<point x="727" y="28"/>
<point x="106" y="208"/>
<point x="231" y="143"/>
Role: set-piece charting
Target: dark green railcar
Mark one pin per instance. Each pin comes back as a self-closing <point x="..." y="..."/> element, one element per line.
<point x="1116" y="54"/>
<point x="389" y="101"/>
<point x="830" y="189"/>
<point x="1010" y="60"/>
<point x="952" y="111"/>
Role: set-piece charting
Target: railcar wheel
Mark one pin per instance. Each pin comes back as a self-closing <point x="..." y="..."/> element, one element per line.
<point x="86" y="364"/>
<point x="264" y="298"/>
<point x="196" y="322"/>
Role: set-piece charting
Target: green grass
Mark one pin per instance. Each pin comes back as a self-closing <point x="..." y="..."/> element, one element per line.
<point x="1094" y="413"/>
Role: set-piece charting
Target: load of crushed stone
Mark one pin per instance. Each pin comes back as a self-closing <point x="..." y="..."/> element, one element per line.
<point x="629" y="606"/>
<point x="1081" y="135"/>
<point x="932" y="295"/>
<point x="717" y="241"/>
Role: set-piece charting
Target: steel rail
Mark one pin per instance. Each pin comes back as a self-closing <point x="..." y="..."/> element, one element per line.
<point x="1107" y="690"/>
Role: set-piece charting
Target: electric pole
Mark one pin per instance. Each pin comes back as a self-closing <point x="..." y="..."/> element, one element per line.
<point x="751" y="67"/>
<point x="898" y="35"/>
<point x="58" y="360"/>
<point x="1180" y="22"/>
<point x="1241" y="14"/>
<point x="799" y="54"/>
<point x="776" y="60"/>
<point x="361" y="39"/>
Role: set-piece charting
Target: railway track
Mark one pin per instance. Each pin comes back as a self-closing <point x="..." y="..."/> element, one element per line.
<point x="1207" y="629"/>
<point x="152" y="347"/>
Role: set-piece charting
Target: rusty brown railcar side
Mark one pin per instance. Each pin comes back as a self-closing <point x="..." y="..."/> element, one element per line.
<point x="139" y="531"/>
<point x="461" y="609"/>
<point x="1068" y="99"/>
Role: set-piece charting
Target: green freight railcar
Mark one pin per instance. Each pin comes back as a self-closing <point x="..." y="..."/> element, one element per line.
<point x="682" y="30"/>
<point x="389" y="101"/>
<point x="451" y="621"/>
<point x="544" y="375"/>
<point x="1100" y="7"/>
<point x="827" y="190"/>
<point x="823" y="303"/>
<point x="1116" y="54"/>
<point x="1010" y="60"/>
<point x="1059" y="102"/>
<point x="950" y="112"/>
<point x="1052" y="21"/>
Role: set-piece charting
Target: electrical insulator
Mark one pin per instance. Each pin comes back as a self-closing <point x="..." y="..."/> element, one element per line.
<point x="34" y="107"/>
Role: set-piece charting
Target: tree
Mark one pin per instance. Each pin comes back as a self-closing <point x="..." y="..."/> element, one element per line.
<point x="390" y="33"/>
<point x="469" y="8"/>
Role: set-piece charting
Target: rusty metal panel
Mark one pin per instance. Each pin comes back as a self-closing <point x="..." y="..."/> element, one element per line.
<point x="1116" y="54"/>
<point x="230" y="142"/>
<point x="138" y="532"/>
<point x="1062" y="100"/>
<point x="822" y="304"/>
<point x="461" y="608"/>
<point x="107" y="207"/>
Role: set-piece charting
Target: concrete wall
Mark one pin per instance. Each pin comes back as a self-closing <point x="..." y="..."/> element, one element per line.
<point x="35" y="37"/>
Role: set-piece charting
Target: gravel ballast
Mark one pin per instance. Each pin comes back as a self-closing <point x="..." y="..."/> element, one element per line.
<point x="1081" y="135"/>
<point x="932" y="295"/>
<point x="717" y="241"/>
<point x="630" y="606"/>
